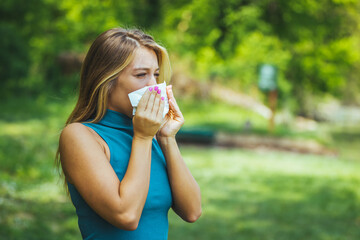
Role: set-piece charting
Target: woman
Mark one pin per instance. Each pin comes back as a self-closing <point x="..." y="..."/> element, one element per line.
<point x="121" y="178"/>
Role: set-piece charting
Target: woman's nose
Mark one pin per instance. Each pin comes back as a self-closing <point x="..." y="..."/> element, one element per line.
<point x="152" y="81"/>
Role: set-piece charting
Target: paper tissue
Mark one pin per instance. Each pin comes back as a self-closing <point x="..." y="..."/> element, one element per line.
<point x="136" y="96"/>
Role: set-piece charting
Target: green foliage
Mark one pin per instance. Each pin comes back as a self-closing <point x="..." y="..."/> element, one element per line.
<point x="314" y="44"/>
<point x="14" y="59"/>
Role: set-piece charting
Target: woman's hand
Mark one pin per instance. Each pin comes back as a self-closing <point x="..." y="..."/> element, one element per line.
<point x="173" y="120"/>
<point x="148" y="116"/>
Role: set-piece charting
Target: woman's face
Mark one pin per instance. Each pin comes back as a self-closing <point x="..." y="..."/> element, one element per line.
<point x="141" y="72"/>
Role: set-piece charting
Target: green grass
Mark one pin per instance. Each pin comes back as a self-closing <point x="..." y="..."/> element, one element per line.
<point x="272" y="195"/>
<point x="219" y="116"/>
<point x="245" y="194"/>
<point x="215" y="115"/>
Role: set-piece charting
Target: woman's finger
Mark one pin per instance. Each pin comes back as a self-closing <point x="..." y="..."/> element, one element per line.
<point x="144" y="100"/>
<point x="170" y="93"/>
<point x="175" y="109"/>
<point x="150" y="103"/>
<point x="156" y="103"/>
<point x="172" y="102"/>
<point x="159" y="114"/>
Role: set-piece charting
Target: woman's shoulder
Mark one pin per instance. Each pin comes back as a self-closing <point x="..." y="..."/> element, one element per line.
<point x="79" y="134"/>
<point x="75" y="131"/>
<point x="74" y="128"/>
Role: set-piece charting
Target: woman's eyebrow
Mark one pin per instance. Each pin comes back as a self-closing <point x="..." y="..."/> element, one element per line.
<point x="144" y="68"/>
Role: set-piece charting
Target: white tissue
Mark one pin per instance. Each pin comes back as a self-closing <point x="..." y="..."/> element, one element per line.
<point x="136" y="96"/>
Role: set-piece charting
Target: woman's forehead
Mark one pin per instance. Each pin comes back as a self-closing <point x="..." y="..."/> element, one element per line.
<point x="144" y="58"/>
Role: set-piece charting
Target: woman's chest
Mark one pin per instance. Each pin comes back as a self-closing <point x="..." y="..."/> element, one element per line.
<point x="159" y="194"/>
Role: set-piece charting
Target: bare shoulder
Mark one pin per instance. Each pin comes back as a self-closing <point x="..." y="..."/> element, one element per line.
<point x="79" y="149"/>
<point x="77" y="134"/>
<point x="74" y="135"/>
<point x="74" y="130"/>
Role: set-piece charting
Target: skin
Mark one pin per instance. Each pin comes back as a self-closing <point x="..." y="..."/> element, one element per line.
<point x="85" y="156"/>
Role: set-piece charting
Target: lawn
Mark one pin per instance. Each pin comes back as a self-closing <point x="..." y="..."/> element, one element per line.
<point x="245" y="194"/>
<point x="272" y="195"/>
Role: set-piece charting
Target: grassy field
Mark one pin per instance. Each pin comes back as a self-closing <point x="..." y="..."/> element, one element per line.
<point x="273" y="195"/>
<point x="245" y="194"/>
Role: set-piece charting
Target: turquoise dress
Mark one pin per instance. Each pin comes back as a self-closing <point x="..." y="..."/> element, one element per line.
<point x="117" y="131"/>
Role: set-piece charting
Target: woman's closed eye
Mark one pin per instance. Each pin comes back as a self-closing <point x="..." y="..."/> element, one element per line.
<point x="141" y="75"/>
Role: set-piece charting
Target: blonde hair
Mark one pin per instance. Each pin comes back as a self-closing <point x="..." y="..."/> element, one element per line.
<point x="108" y="55"/>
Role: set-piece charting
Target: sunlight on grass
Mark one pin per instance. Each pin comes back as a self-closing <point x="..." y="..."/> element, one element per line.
<point x="217" y="115"/>
<point x="245" y="194"/>
<point x="21" y="128"/>
<point x="268" y="195"/>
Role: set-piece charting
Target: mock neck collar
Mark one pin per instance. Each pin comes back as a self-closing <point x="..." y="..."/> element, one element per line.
<point x="117" y="120"/>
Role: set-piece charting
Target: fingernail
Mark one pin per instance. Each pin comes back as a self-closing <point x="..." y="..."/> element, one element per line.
<point x="156" y="88"/>
<point x="159" y="91"/>
<point x="150" y="89"/>
<point x="162" y="98"/>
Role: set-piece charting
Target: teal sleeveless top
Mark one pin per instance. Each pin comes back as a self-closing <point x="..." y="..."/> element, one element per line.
<point x="117" y="131"/>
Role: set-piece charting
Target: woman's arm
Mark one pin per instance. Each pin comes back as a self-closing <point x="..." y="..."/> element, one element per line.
<point x="185" y="190"/>
<point x="85" y="165"/>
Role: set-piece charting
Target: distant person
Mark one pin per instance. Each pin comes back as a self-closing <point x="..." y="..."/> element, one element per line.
<point x="121" y="179"/>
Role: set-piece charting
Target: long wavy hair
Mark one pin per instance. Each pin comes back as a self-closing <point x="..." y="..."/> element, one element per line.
<point x="108" y="55"/>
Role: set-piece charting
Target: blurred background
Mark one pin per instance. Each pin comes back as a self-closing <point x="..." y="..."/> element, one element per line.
<point x="269" y="89"/>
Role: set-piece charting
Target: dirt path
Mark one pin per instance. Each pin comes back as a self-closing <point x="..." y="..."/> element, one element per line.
<point x="211" y="138"/>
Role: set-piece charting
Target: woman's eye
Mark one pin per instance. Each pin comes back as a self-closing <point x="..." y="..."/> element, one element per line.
<point x="156" y="74"/>
<point x="141" y="75"/>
